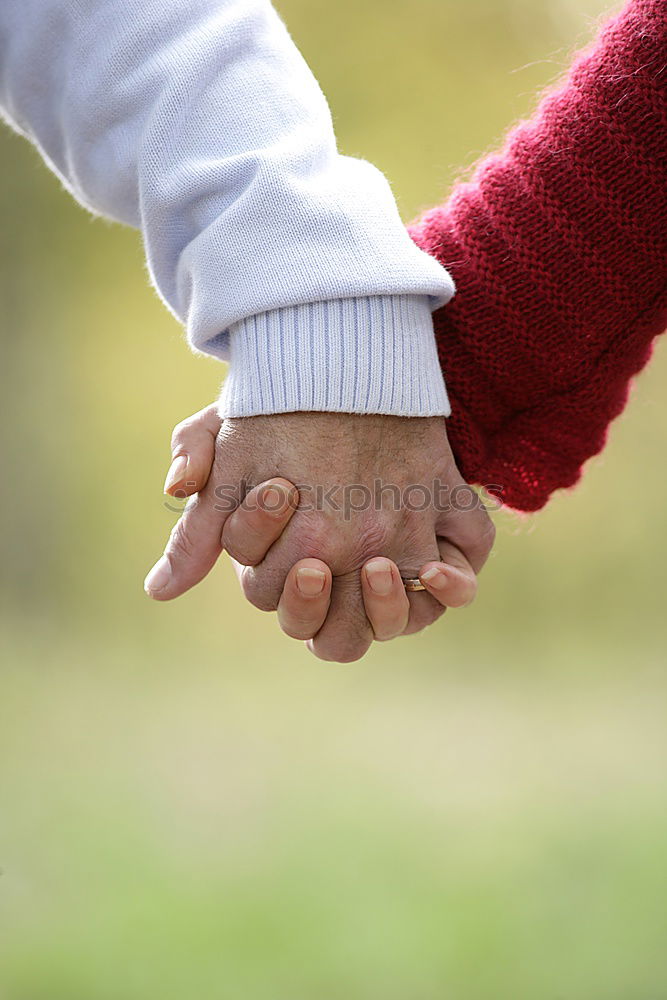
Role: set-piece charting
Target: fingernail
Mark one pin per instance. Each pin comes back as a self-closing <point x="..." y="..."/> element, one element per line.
<point x="273" y="501"/>
<point x="310" y="582"/>
<point x="379" y="577"/>
<point x="158" y="578"/>
<point x="435" y="578"/>
<point x="176" y="472"/>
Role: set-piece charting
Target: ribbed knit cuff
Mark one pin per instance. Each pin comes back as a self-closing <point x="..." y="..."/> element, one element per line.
<point x="374" y="354"/>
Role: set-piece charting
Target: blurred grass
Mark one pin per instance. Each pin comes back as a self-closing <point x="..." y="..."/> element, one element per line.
<point x="190" y="804"/>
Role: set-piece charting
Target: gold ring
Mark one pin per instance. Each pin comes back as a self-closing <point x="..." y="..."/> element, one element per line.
<point x="412" y="583"/>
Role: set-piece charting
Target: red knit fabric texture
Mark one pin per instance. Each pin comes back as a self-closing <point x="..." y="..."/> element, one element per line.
<point x="558" y="247"/>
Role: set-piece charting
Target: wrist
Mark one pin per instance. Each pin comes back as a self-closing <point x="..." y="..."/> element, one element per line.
<point x="372" y="354"/>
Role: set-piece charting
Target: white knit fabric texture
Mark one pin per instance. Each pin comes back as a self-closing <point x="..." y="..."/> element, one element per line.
<point x="370" y="355"/>
<point x="200" y="123"/>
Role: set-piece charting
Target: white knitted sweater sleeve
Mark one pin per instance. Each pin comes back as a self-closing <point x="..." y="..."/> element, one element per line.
<point x="199" y="123"/>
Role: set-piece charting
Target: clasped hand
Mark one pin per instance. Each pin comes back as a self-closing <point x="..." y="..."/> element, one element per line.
<point x="323" y="514"/>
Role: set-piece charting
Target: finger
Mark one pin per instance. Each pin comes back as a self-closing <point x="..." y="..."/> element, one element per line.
<point x="193" y="547"/>
<point x="451" y="580"/>
<point x="192" y="451"/>
<point x="195" y="541"/>
<point x="467" y="525"/>
<point x="251" y="530"/>
<point x="346" y="635"/>
<point x="420" y="546"/>
<point x="305" y="599"/>
<point x="424" y="611"/>
<point x="385" y="600"/>
<point x="403" y="613"/>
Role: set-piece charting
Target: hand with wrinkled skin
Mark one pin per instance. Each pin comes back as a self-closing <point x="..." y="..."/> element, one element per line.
<point x="279" y="548"/>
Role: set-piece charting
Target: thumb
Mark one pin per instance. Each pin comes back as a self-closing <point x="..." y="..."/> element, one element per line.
<point x="192" y="450"/>
<point x="195" y="541"/>
<point x="451" y="580"/>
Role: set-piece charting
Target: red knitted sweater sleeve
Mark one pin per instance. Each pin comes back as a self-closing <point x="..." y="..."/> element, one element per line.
<point x="558" y="247"/>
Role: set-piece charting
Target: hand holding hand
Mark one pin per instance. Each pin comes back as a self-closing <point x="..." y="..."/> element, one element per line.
<point x="368" y="487"/>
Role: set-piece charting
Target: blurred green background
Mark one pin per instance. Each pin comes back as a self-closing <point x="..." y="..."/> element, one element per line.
<point x="191" y="805"/>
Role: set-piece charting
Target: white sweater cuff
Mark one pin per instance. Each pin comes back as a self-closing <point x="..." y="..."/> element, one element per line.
<point x="373" y="354"/>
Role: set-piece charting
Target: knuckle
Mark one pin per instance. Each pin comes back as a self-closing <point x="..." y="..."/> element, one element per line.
<point x="340" y="650"/>
<point x="424" y="612"/>
<point x="244" y="538"/>
<point x="413" y="552"/>
<point x="466" y="598"/>
<point x="347" y="634"/>
<point x="298" y="626"/>
<point x="237" y="551"/>
<point x="471" y="594"/>
<point x="372" y="536"/>
<point x="244" y="558"/>
<point x="315" y="539"/>
<point x="344" y="545"/>
<point x="418" y="543"/>
<point x="258" y="591"/>
<point x="181" y="544"/>
<point x="388" y="633"/>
